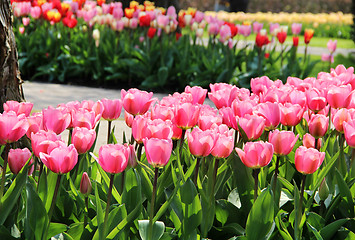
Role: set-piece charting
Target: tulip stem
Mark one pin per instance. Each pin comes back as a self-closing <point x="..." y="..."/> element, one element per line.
<point x="6" y="154"/>
<point x="69" y="135"/>
<point x="34" y="168"/>
<point x="196" y="170"/>
<point x="182" y="139"/>
<point x="109" y="194"/>
<point x="123" y="174"/>
<point x="302" y="190"/>
<point x="276" y="173"/>
<point x="109" y="131"/>
<point x="87" y="211"/>
<point x="256" y="175"/>
<point x="54" y="199"/>
<point x="40" y="173"/>
<point x="316" y="143"/>
<point x="152" y="203"/>
<point x="341" y="163"/>
<point x="139" y="151"/>
<point x="215" y="173"/>
<point x="305" y="54"/>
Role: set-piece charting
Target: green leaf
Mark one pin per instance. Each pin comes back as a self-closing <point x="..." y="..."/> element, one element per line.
<point x="345" y="193"/>
<point x="188" y="192"/>
<point x="5" y="234"/>
<point x="314" y="231"/>
<point x="99" y="212"/>
<point x="56" y="228"/>
<point x="9" y="200"/>
<point x="158" y="230"/>
<point x="328" y="231"/>
<point x="234" y="198"/>
<point x="132" y="193"/>
<point x="163" y="73"/>
<point x="261" y="216"/>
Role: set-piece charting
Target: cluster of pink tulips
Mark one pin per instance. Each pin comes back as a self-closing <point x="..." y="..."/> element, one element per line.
<point x="257" y="124"/>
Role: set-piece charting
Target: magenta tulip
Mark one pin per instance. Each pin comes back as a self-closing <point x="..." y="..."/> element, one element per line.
<point x="17" y="158"/>
<point x="83" y="139"/>
<point x="283" y="141"/>
<point x="112" y="108"/>
<point x="56" y="119"/>
<point x="12" y="127"/>
<point x="136" y="102"/>
<point x="113" y="158"/>
<point x="61" y="159"/>
<point x="201" y="142"/>
<point x="158" y="151"/>
<point x="186" y="115"/>
<point x="308" y="160"/>
<point x="256" y="154"/>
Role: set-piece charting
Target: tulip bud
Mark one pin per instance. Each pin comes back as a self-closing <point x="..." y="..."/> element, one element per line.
<point x="323" y="190"/>
<point x="85" y="184"/>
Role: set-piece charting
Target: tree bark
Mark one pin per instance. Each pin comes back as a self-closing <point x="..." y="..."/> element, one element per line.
<point x="10" y="79"/>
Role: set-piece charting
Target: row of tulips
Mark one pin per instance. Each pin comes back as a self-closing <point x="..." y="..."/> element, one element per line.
<point x="276" y="162"/>
<point x="112" y="45"/>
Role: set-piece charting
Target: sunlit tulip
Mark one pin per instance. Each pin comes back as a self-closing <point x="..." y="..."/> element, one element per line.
<point x="138" y="128"/>
<point x="158" y="151"/>
<point x="337" y="97"/>
<point x="309" y="141"/>
<point x="85" y="184"/>
<point x="113" y="158"/>
<point x="205" y="121"/>
<point x="283" y="141"/>
<point x="12" y="127"/>
<point x="34" y="123"/>
<point x="222" y="94"/>
<point x="41" y="140"/>
<point x="308" y="34"/>
<point x="256" y="154"/>
<point x="56" y="119"/>
<point x="241" y="108"/>
<point x="349" y="133"/>
<point x="17" y="158"/>
<point x="223" y="146"/>
<point x="83" y="139"/>
<point x="162" y="112"/>
<point x="128" y="119"/>
<point x="136" y="102"/>
<point x="83" y="118"/>
<point x="61" y="159"/>
<point x="308" y="160"/>
<point x="271" y="112"/>
<point x="198" y="94"/>
<point x="252" y="125"/>
<point x="291" y="114"/>
<point x="157" y="128"/>
<point x="201" y="142"/>
<point x="112" y="108"/>
<point x="316" y="100"/>
<point x="186" y="115"/>
<point x="318" y="125"/>
<point x="332" y="45"/>
<point x="18" y="107"/>
<point x="338" y="119"/>
<point x="260" y="84"/>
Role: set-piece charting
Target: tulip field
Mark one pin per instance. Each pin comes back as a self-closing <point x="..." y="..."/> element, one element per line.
<point x="273" y="162"/>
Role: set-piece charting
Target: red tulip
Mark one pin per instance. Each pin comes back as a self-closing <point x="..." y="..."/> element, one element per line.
<point x="308" y="34"/>
<point x="56" y="119"/>
<point x="318" y="125"/>
<point x="112" y="109"/>
<point x="158" y="151"/>
<point x="113" y="158"/>
<point x="256" y="154"/>
<point x="201" y="142"/>
<point x="144" y="20"/>
<point x="281" y="36"/>
<point x="136" y="102"/>
<point x="261" y="40"/>
<point x="186" y="115"/>
<point x="283" y="141"/>
<point x="61" y="159"/>
<point x="18" y="107"/>
<point x="12" y="127"/>
<point x="308" y="160"/>
<point x="17" y="158"/>
<point x="151" y="32"/>
<point x="83" y="139"/>
<point x="295" y="41"/>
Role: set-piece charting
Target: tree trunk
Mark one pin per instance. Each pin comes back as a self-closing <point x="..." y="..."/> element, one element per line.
<point x="10" y="79"/>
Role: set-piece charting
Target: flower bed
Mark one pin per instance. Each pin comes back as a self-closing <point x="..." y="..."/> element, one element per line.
<point x="276" y="162"/>
<point x="141" y="46"/>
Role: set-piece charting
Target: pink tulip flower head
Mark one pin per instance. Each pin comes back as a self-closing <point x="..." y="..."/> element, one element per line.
<point x="61" y="159"/>
<point x="128" y="119"/>
<point x="224" y="33"/>
<point x="136" y="102"/>
<point x="338" y="97"/>
<point x="56" y="119"/>
<point x="34" y="123"/>
<point x="291" y="114"/>
<point x="132" y="160"/>
<point x="12" y="127"/>
<point x="308" y="160"/>
<point x="260" y="85"/>
<point x="21" y="29"/>
<point x="17" y="158"/>
<point x="309" y="141"/>
<point x="158" y="151"/>
<point x="296" y="28"/>
<point x="271" y="112"/>
<point x="252" y="125"/>
<point x="41" y="140"/>
<point x="206" y="121"/>
<point x="113" y="158"/>
<point x="186" y="115"/>
<point x="198" y="94"/>
<point x="349" y="133"/>
<point x="222" y="94"/>
<point x="35" y="12"/>
<point x="158" y="128"/>
<point x="171" y="12"/>
<point x="257" y="27"/>
<point x="162" y="112"/>
<point x="326" y="57"/>
<point x="18" y="107"/>
<point x="318" y="125"/>
<point x="283" y="141"/>
<point x="332" y="45"/>
<point x="244" y="30"/>
<point x="342" y="115"/>
<point x="213" y="29"/>
<point x="241" y="108"/>
<point x="201" y="142"/>
<point x="138" y="128"/>
<point x="316" y="100"/>
<point x="83" y="118"/>
<point x="85" y="184"/>
<point x="83" y="139"/>
<point x="112" y="108"/>
<point x="224" y="143"/>
<point x="256" y="154"/>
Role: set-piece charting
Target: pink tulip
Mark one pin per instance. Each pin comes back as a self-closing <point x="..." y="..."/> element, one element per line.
<point x="198" y="94"/>
<point x="21" y="29"/>
<point x="241" y="108"/>
<point x="171" y="12"/>
<point x="318" y="125"/>
<point x="138" y="128"/>
<point x="349" y="133"/>
<point x="34" y="123"/>
<point x="308" y="160"/>
<point x="224" y="33"/>
<point x="228" y="117"/>
<point x="271" y="112"/>
<point x="332" y="45"/>
<point x="158" y="151"/>
<point x="186" y="115"/>
<point x="223" y="146"/>
<point x="297" y="97"/>
<point x="113" y="158"/>
<point x="256" y="154"/>
<point x="213" y="29"/>
<point x="316" y="100"/>
<point x="257" y="27"/>
<point x="162" y="112"/>
<point x="25" y="21"/>
<point x="244" y="30"/>
<point x="338" y="97"/>
<point x="18" y="107"/>
<point x="201" y="142"/>
<point x="296" y="28"/>
<point x="61" y="159"/>
<point x="158" y="128"/>
<point x="252" y="125"/>
<point x="342" y="115"/>
<point x="326" y="57"/>
<point x="260" y="85"/>
<point x="83" y="139"/>
<point x="90" y="105"/>
<point x="112" y="109"/>
<point x="128" y="119"/>
<point x="132" y="160"/>
<point x="41" y="140"/>
<point x="56" y="119"/>
<point x="291" y="114"/>
<point x="309" y="141"/>
<point x="222" y="94"/>
<point x="206" y="121"/>
<point x="35" y="12"/>
<point x="136" y="102"/>
<point x="83" y="118"/>
<point x="12" y="127"/>
<point x="17" y="158"/>
<point x="283" y="141"/>
<point x="85" y="184"/>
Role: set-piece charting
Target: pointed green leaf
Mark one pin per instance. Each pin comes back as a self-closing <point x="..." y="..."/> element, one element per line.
<point x="158" y="230"/>
<point x="328" y="231"/>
